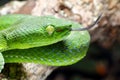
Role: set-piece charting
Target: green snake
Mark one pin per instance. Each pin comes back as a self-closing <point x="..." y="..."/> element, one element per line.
<point x="45" y="40"/>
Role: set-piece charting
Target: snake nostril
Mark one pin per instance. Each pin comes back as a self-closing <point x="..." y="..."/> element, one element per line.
<point x="59" y="30"/>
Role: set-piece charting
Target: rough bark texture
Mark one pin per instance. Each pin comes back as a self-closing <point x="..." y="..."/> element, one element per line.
<point x="106" y="33"/>
<point x="36" y="71"/>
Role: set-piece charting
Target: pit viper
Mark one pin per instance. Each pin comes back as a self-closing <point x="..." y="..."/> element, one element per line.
<point x="41" y="39"/>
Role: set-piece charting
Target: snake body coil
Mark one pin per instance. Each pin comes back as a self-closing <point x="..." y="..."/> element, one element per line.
<point x="46" y="40"/>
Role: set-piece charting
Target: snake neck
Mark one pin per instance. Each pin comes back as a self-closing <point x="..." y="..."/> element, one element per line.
<point x="3" y="43"/>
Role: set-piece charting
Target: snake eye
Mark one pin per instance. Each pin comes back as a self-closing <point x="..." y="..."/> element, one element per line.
<point x="50" y="29"/>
